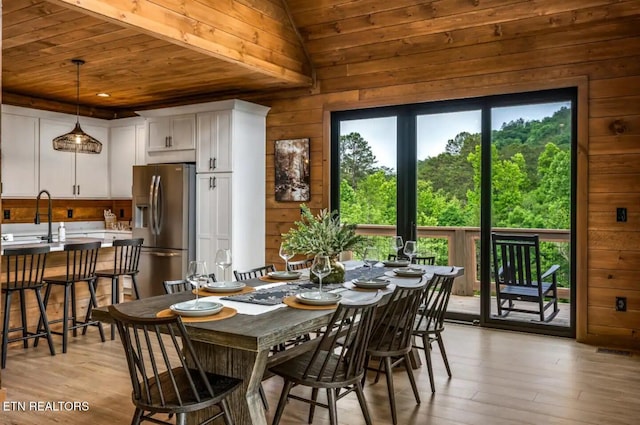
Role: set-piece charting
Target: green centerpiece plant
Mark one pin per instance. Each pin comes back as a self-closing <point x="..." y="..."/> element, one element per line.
<point x="323" y="234"/>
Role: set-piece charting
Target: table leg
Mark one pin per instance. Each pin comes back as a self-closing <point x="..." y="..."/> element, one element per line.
<point x="245" y="403"/>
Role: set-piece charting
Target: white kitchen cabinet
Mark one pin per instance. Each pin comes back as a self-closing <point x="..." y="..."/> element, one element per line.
<point x="71" y="175"/>
<point x="230" y="198"/>
<point x="213" y="217"/>
<point x="20" y="146"/>
<point x="214" y="142"/>
<point x="126" y="149"/>
<point x="171" y="133"/>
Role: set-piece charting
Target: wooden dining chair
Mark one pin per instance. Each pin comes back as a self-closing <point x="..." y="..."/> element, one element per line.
<point x="166" y="375"/>
<point x="254" y="273"/>
<point x="428" y="260"/>
<point x="24" y="270"/>
<point x="336" y="363"/>
<point x="301" y="264"/>
<point x="174" y="286"/>
<point x="429" y="323"/>
<point x="80" y="268"/>
<point x="391" y="340"/>
<point x="181" y="285"/>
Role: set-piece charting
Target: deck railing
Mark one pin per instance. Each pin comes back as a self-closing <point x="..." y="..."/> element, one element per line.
<point x="462" y="242"/>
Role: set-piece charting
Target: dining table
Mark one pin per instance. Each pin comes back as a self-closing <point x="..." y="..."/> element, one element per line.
<point x="241" y="346"/>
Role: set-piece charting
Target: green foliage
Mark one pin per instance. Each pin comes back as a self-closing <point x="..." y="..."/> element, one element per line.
<point x="321" y="234"/>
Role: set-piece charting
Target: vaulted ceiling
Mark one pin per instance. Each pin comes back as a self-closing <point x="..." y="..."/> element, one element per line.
<point x="152" y="53"/>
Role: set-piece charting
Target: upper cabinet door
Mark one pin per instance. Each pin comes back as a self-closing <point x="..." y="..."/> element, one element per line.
<point x="92" y="171"/>
<point x="122" y="154"/>
<point x="56" y="168"/>
<point x="20" y="147"/>
<point x="171" y="133"/>
<point x="214" y="142"/>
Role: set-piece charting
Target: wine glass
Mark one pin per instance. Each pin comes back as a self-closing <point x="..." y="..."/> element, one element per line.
<point x="197" y="275"/>
<point x="223" y="260"/>
<point x="321" y="267"/>
<point x="286" y="255"/>
<point x="371" y="258"/>
<point x="410" y="250"/>
<point x="397" y="244"/>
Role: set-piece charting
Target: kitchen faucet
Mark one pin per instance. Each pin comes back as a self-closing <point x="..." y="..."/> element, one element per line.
<point x="37" y="218"/>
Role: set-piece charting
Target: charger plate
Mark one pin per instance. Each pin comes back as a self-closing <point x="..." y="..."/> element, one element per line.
<point x="225" y="313"/>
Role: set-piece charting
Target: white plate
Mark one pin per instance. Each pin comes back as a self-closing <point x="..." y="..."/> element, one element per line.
<point x="224" y="286"/>
<point x="375" y="283"/>
<point x="396" y="263"/>
<point x="285" y="275"/>
<point x="409" y="272"/>
<point x="192" y="308"/>
<point x="311" y="298"/>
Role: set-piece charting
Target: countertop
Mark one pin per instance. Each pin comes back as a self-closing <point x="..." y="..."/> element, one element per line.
<point x="59" y="246"/>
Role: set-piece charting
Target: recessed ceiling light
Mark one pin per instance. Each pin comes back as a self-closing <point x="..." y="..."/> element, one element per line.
<point x="103" y="95"/>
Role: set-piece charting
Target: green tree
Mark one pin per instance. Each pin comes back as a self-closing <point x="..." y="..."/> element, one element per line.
<point x="356" y="159"/>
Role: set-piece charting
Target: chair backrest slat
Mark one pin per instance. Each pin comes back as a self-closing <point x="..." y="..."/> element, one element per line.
<point x="254" y="273"/>
<point x="126" y="255"/>
<point x="181" y="285"/>
<point x="516" y="259"/>
<point x="25" y="266"/>
<point x="81" y="260"/>
<point x="341" y="350"/>
<point x="427" y="260"/>
<point x="435" y="300"/>
<point x="394" y="325"/>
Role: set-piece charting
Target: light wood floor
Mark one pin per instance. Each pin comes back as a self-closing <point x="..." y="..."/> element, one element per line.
<point x="499" y="378"/>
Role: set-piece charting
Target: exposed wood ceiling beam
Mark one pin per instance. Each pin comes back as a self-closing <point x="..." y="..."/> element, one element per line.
<point x="226" y="30"/>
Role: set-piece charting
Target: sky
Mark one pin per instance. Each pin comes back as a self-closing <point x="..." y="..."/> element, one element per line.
<point x="435" y="130"/>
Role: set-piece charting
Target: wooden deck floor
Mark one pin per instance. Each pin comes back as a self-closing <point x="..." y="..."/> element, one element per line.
<point x="499" y="378"/>
<point x="471" y="305"/>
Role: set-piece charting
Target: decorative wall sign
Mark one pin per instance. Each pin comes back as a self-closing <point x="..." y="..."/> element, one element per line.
<point x="293" y="177"/>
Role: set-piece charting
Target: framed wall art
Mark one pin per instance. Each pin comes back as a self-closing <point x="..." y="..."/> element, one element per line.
<point x="292" y="165"/>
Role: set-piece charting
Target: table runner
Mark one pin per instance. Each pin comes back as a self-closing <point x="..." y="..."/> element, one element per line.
<point x="274" y="294"/>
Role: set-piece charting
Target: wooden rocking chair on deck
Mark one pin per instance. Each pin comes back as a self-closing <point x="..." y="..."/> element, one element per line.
<point x="516" y="267"/>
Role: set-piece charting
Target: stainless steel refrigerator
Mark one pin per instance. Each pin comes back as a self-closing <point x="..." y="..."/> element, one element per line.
<point x="164" y="215"/>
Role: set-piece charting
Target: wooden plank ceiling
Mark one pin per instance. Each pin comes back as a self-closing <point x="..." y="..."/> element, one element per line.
<point x="153" y="53"/>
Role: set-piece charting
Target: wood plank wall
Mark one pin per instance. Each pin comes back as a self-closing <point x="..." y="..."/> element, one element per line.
<point x="599" y="46"/>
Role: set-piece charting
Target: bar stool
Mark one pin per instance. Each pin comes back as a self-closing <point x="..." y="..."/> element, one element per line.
<point x="24" y="271"/>
<point x="125" y="263"/>
<point x="81" y="267"/>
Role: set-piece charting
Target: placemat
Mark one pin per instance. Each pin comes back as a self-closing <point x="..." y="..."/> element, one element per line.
<point x="291" y="301"/>
<point x="205" y="293"/>
<point x="225" y="313"/>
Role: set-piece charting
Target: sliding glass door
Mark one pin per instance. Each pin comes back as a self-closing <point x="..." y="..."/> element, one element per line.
<point x="448" y="174"/>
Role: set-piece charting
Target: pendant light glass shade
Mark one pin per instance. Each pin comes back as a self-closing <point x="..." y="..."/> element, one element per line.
<point x="77" y="140"/>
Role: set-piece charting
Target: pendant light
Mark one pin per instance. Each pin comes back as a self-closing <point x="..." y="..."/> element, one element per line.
<point x="77" y="140"/>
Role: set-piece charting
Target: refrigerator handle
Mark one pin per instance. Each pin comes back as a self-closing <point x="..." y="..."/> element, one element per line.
<point x="164" y="254"/>
<point x="152" y="213"/>
<point x="156" y="224"/>
<point x="158" y="201"/>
